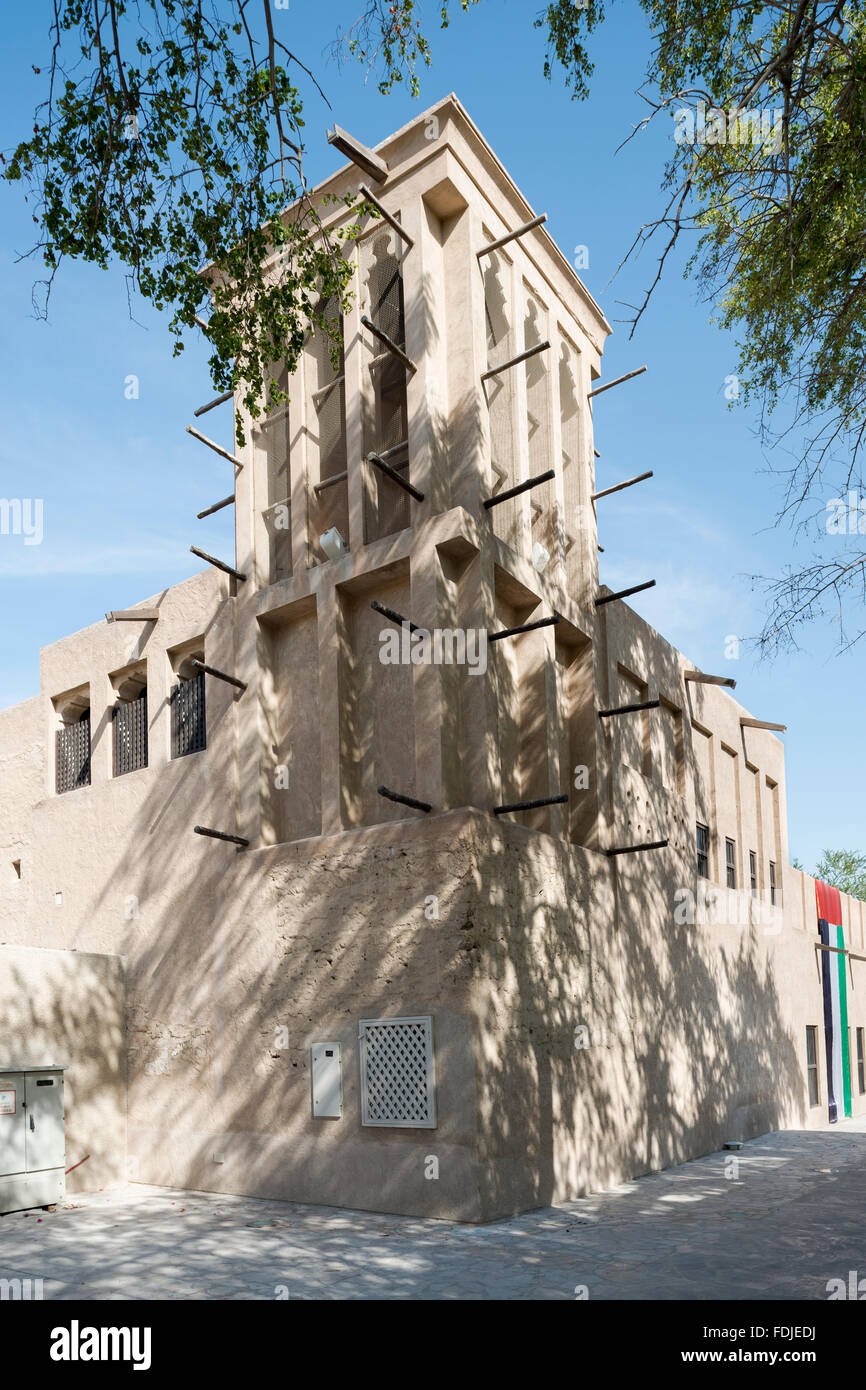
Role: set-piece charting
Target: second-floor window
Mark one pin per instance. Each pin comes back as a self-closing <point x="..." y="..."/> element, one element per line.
<point x="73" y="754"/>
<point x="753" y="872"/>
<point x="731" y="862"/>
<point x="129" y="719"/>
<point x="812" y="1063"/>
<point x="772" y="882"/>
<point x="188" y="721"/>
<point x="702" y="839"/>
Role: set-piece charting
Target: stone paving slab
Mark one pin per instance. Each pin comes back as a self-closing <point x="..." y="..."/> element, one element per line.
<point x="792" y="1218"/>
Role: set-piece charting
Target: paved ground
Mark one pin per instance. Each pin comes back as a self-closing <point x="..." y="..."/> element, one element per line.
<point x="793" y="1219"/>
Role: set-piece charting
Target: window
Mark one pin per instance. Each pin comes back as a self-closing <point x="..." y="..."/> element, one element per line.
<point x="129" y="719"/>
<point x="397" y="1079"/>
<point x="188" y="722"/>
<point x="772" y="882"/>
<point x="861" y="1065"/>
<point x="812" y="1064"/>
<point x="731" y="862"/>
<point x="73" y="754"/>
<point x="753" y="872"/>
<point x="703" y="844"/>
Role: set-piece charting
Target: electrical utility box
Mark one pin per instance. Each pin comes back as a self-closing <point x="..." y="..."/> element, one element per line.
<point x="32" y="1137"/>
<point x="327" y="1081"/>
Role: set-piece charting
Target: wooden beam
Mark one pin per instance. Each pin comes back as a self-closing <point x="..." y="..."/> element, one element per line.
<point x="629" y="709"/>
<point x="617" y="382"/>
<point x="710" y="680"/>
<point x="521" y="487"/>
<point x="133" y="615"/>
<point x="389" y="343"/>
<point x="330" y="482"/>
<point x="762" y="724"/>
<point x="220" y="675"/>
<point x="515" y="361"/>
<point x="510" y="236"/>
<point x="389" y="472"/>
<point x="220" y="564"/>
<point x="404" y="800"/>
<point x="359" y="154"/>
<point x="839" y="950"/>
<point x="217" y="507"/>
<point x="618" y="487"/>
<point x="624" y="593"/>
<point x="220" y="835"/>
<point x="636" y="849"/>
<point x="217" y="448"/>
<point x="524" y="627"/>
<point x="203" y="409"/>
<point x="530" y="805"/>
<point x="394" y="616"/>
<point x="387" y="216"/>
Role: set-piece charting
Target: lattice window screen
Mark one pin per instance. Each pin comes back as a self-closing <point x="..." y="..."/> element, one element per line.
<point x="397" y="1076"/>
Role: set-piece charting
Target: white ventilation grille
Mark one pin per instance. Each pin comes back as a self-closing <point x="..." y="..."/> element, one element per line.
<point x="397" y="1079"/>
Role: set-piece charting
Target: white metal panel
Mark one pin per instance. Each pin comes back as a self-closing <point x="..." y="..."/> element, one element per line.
<point x="12" y="1121"/>
<point x="398" y="1081"/>
<point x="44" y="1133"/>
<point x="327" y="1072"/>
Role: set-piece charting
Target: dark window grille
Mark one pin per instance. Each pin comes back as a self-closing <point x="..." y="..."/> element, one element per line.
<point x="812" y="1064"/>
<point x="73" y="755"/>
<point x="731" y="863"/>
<point x="861" y="1062"/>
<point x="753" y="872"/>
<point x="703" y="845"/>
<point x="188" y="724"/>
<point x="772" y="882"/>
<point x="130" y="735"/>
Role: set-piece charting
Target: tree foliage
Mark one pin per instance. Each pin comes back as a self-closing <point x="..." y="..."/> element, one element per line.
<point x="845" y="869"/>
<point x="170" y="140"/>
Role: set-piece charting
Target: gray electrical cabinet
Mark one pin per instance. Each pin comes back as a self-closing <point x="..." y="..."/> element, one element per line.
<point x="32" y="1137"/>
<point x="327" y="1081"/>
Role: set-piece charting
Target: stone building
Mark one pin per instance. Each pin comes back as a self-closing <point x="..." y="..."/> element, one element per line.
<point x="499" y="1011"/>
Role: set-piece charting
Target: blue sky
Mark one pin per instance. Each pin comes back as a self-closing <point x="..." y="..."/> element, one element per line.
<point x="122" y="482"/>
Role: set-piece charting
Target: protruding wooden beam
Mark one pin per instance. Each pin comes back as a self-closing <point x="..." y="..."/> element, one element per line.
<point x="524" y="627"/>
<point x="636" y="849"/>
<point x="219" y="564"/>
<point x="837" y="950"/>
<point x="394" y="349"/>
<point x="217" y="448"/>
<point x="332" y="481"/>
<point x="217" y="507"/>
<point x="220" y="675"/>
<point x="220" y="835"/>
<point x="618" y="487"/>
<point x="387" y="216"/>
<point x="220" y="400"/>
<point x="404" y="800"/>
<point x="133" y="615"/>
<point x="394" y="616"/>
<point x="624" y="593"/>
<point x="359" y="154"/>
<point x="389" y="472"/>
<point x="710" y="680"/>
<point x="521" y="487"/>
<point x="629" y="709"/>
<point x="530" y="805"/>
<point x="515" y="361"/>
<point x="762" y="724"/>
<point x="616" y="382"/>
<point x="510" y="236"/>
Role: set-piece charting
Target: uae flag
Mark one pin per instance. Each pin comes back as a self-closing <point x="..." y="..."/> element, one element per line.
<point x="834" y="978"/>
